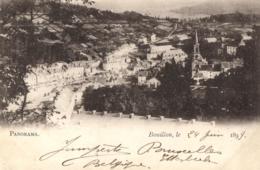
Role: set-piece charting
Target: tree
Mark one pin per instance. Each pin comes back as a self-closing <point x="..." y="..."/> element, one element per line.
<point x="171" y="99"/>
<point x="175" y="88"/>
<point x="64" y="11"/>
<point x="235" y="96"/>
<point x="12" y="86"/>
<point x="248" y="53"/>
<point x="34" y="8"/>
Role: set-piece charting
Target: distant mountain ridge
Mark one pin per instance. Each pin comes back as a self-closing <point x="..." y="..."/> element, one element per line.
<point x="213" y="7"/>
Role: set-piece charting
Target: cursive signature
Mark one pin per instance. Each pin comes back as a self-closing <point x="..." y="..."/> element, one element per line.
<point x="95" y="151"/>
<point x="182" y="155"/>
<point x="187" y="158"/>
<point x="114" y="164"/>
<point x="158" y="148"/>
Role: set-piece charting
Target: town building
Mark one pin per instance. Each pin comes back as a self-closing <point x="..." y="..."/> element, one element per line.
<point x="235" y="63"/>
<point x="231" y="50"/>
<point x="166" y="53"/>
<point x="180" y="37"/>
<point x="117" y="63"/>
<point x="142" y="77"/>
<point x="177" y="54"/>
<point x="59" y="73"/>
<point x="145" y="79"/>
<point x="153" y="83"/>
<point x="120" y="59"/>
<point x="211" y="40"/>
<point x="153" y="38"/>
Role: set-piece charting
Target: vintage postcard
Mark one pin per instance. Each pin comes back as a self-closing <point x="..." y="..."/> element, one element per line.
<point x="129" y="84"/>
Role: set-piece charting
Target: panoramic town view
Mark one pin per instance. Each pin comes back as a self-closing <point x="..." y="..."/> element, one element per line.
<point x="65" y="60"/>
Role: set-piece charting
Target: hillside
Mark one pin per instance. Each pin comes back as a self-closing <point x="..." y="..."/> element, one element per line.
<point x="235" y="18"/>
<point x="73" y="32"/>
<point x="221" y="7"/>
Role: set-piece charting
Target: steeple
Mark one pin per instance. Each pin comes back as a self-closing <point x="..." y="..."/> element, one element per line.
<point x="198" y="61"/>
<point x="197" y="40"/>
<point x="196" y="46"/>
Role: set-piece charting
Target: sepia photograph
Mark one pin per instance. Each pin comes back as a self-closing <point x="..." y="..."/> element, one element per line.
<point x="129" y="84"/>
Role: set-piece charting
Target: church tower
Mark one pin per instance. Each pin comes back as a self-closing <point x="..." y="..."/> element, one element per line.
<point x="197" y="61"/>
<point x="196" y="52"/>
